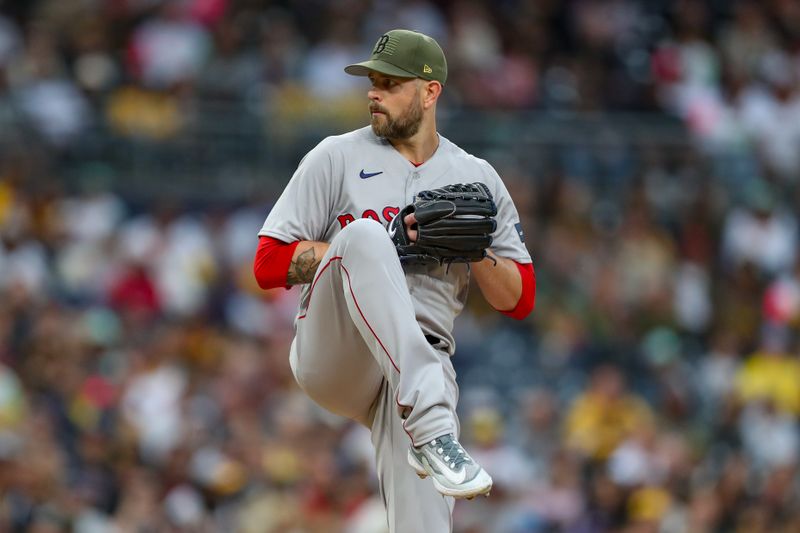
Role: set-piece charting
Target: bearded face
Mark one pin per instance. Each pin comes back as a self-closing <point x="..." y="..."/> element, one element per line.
<point x="402" y="126"/>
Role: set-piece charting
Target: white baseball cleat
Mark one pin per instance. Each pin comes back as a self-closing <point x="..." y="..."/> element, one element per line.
<point x="452" y="470"/>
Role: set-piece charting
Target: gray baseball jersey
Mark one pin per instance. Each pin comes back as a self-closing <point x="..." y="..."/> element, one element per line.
<point x="360" y="175"/>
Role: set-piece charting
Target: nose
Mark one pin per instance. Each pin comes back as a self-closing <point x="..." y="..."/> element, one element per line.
<point x="373" y="95"/>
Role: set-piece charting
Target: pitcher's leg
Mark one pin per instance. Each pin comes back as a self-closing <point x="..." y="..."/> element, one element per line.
<point x="361" y="286"/>
<point x="329" y="358"/>
<point x="413" y="505"/>
<point x="343" y="377"/>
<point x="360" y="272"/>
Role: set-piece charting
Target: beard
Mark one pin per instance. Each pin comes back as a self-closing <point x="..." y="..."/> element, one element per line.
<point x="404" y="126"/>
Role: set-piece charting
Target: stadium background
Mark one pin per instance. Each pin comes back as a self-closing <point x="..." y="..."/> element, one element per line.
<point x="653" y="149"/>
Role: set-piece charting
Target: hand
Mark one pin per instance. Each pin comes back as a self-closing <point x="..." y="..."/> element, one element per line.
<point x="411" y="222"/>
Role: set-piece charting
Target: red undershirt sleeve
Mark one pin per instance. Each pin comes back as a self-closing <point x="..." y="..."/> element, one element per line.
<point x="273" y="256"/>
<point x="527" y="298"/>
<point x="271" y="264"/>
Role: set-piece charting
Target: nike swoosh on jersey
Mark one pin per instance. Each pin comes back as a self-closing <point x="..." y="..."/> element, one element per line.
<point x="365" y="175"/>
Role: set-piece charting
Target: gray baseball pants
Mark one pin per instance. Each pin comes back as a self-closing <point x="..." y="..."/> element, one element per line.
<point x="360" y="353"/>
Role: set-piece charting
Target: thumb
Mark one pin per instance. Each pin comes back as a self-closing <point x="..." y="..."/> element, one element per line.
<point x="410" y="222"/>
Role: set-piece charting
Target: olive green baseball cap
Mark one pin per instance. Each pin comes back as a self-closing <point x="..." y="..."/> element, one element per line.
<point x="406" y="54"/>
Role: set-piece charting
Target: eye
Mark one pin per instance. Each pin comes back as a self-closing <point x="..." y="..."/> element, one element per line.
<point x="383" y="83"/>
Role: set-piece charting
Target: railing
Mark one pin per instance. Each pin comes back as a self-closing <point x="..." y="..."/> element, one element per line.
<point x="229" y="152"/>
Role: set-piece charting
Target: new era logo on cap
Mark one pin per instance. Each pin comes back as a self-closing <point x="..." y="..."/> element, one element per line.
<point x="427" y="70"/>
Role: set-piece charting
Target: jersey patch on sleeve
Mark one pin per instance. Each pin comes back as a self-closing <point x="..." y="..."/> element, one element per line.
<point x="518" y="227"/>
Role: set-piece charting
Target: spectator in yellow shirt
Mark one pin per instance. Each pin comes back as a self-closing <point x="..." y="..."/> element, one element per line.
<point x="604" y="415"/>
<point x="772" y="374"/>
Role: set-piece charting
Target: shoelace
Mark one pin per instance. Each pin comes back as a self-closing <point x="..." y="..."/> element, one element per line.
<point x="451" y="451"/>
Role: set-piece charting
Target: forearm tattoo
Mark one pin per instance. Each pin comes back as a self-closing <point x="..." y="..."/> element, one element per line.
<point x="302" y="269"/>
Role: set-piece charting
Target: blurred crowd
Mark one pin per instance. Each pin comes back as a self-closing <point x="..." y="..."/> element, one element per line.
<point x="144" y="382"/>
<point x="729" y="69"/>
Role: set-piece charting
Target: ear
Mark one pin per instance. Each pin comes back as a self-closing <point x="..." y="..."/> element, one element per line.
<point x="430" y="93"/>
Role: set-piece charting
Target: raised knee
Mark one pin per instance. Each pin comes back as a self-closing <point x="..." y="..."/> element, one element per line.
<point x="365" y="228"/>
<point x="367" y="235"/>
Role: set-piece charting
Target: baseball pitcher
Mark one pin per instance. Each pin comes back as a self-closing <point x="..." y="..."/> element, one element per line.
<point x="383" y="227"/>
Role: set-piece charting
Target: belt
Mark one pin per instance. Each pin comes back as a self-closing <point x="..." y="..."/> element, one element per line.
<point x="432" y="340"/>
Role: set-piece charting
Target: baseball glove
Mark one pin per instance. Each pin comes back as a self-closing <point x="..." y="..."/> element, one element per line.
<point x="454" y="225"/>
